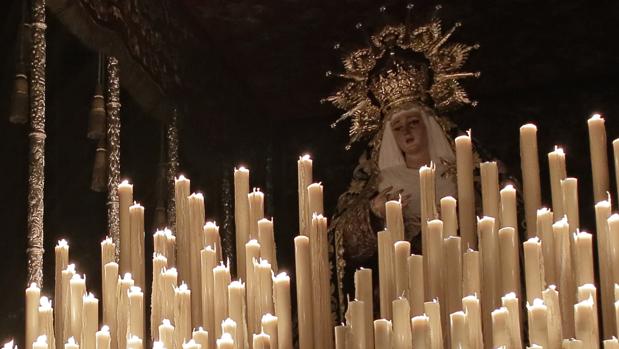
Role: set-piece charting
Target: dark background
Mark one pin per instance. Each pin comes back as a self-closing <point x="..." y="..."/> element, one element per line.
<point x="252" y="97"/>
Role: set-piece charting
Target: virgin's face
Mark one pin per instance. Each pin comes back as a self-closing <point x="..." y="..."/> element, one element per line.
<point x="409" y="131"/>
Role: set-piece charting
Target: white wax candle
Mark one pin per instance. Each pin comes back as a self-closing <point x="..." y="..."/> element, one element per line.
<point x="103" y="338"/>
<point x="357" y="322"/>
<point x="616" y="157"/>
<point x="602" y="212"/>
<point x="538" y="322"/>
<point x="402" y="336"/>
<point x="304" y="292"/>
<point x="210" y="232"/>
<point x="90" y="321"/>
<point x="241" y="217"/>
<point x="136" y="218"/>
<point x="555" y="334"/>
<point x="221" y="280"/>
<point x="544" y="231"/>
<point x="611" y="343"/>
<point x="181" y="197"/>
<point x="46" y="321"/>
<point x="195" y="204"/>
<point x="556" y="164"/>
<point x="209" y="261"/>
<point x="383" y="333"/>
<point x="40" y="343"/>
<point x="256" y="211"/>
<point x="572" y="344"/>
<point x="166" y="334"/>
<point x="304" y="179"/>
<point x="433" y="311"/>
<point x="191" y="345"/>
<point x="385" y="272"/>
<point x="78" y="290"/>
<point x="319" y="247"/>
<point x="225" y="342"/>
<point x="169" y="282"/>
<point x="269" y="327"/>
<point x="472" y="310"/>
<point x="229" y="326"/>
<point x="416" y="284"/>
<point x="459" y="330"/>
<point x="125" y="197"/>
<point x="511" y="303"/>
<point x="122" y="309"/>
<point x="341" y="335"/>
<point x="67" y="275"/>
<point x="589" y="292"/>
<point x="488" y="247"/>
<point x="599" y="157"/>
<point x="466" y="190"/>
<point x="61" y="254"/>
<point x="136" y="312"/>
<point x="364" y="293"/>
<point x="315" y="200"/>
<point x="236" y="309"/>
<point x="394" y="220"/>
<point x="449" y="216"/>
<point x="471" y="270"/>
<point x="421" y="332"/>
<point x="200" y="336"/>
<point x="569" y="186"/>
<point x="565" y="275"/>
<point x="134" y="343"/>
<point x="433" y="269"/>
<point x="500" y="328"/>
<point x="281" y="295"/>
<point x="252" y="252"/>
<point x="509" y="261"/>
<point x="452" y="276"/>
<point x="583" y="248"/>
<point x="156" y="302"/>
<point x="490" y="189"/>
<point x="264" y="300"/>
<point x="262" y="341"/>
<point x="266" y="238"/>
<point x="584" y="324"/>
<point x="9" y="345"/>
<point x="170" y="244"/>
<point x="529" y="163"/>
<point x="427" y="188"/>
<point x="33" y="297"/>
<point x="534" y="269"/>
<point x="71" y="344"/>
<point x="182" y="315"/>
<point x="402" y="252"/>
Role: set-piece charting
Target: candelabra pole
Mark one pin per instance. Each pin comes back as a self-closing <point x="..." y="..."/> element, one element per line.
<point x="113" y="144"/>
<point x="36" y="170"/>
<point x="172" y="138"/>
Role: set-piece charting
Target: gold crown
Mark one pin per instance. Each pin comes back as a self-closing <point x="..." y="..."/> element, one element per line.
<point x="401" y="65"/>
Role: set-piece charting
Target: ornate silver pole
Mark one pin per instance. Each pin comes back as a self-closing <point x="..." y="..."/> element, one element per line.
<point x="36" y="171"/>
<point x="113" y="145"/>
<point x="172" y="138"/>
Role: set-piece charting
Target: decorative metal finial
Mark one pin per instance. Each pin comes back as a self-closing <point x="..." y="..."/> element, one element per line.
<point x="337" y="46"/>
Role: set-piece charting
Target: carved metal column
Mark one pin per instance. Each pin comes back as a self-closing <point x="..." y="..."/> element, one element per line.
<point x="172" y="139"/>
<point x="36" y="170"/>
<point x="227" y="229"/>
<point x="112" y="90"/>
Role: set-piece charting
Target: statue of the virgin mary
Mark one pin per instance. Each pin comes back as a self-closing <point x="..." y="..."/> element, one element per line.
<point x="396" y="94"/>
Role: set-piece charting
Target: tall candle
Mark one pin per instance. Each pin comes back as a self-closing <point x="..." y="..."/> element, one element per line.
<point x="125" y="197"/>
<point x="563" y="263"/>
<point x="304" y="291"/>
<point x="266" y="238"/>
<point x="61" y="253"/>
<point x="183" y="254"/>
<point x="459" y="330"/>
<point x="569" y="187"/>
<point x="281" y="295"/>
<point x="421" y="332"/>
<point x="78" y="289"/>
<point x="90" y="321"/>
<point x="602" y="212"/>
<point x="544" y="231"/>
<point x="416" y="284"/>
<point x="449" y="216"/>
<point x="534" y="269"/>
<point x="383" y="333"/>
<point x="210" y="234"/>
<point x="538" y="323"/>
<point x="452" y="272"/>
<point x="427" y="188"/>
<point x="169" y="282"/>
<point x="134" y="343"/>
<point x="400" y="261"/>
<point x="472" y="309"/>
<point x="182" y="315"/>
<point x="509" y="261"/>
<point x="241" y="217"/>
<point x="122" y="309"/>
<point x="221" y="280"/>
<point x="46" y="321"/>
<point x="385" y="272"/>
<point x="252" y="252"/>
<point x="394" y="220"/>
<point x="490" y="189"/>
<point x="108" y="248"/>
<point x="264" y="297"/>
<point x="256" y="211"/>
<point x="136" y="312"/>
<point x="156" y="301"/>
<point x="170" y="247"/>
<point x="434" y="261"/>
<point x="67" y="275"/>
<point x="262" y="341"/>
<point x="613" y="238"/>
<point x="556" y="164"/>
<point x="304" y="179"/>
<point x="236" y="311"/>
<point x="500" y="328"/>
<point x="599" y="157"/>
<point x="195" y="204"/>
<point x="33" y="297"/>
<point x="136" y="219"/>
<point x="356" y="313"/>
<point x="433" y="311"/>
<point x="103" y="338"/>
<point x="529" y="163"/>
<point x="584" y="321"/>
<point x="166" y="334"/>
<point x="315" y="200"/>
<point x="511" y="303"/>
<point x="208" y="262"/>
<point x="583" y="248"/>
<point x="200" y="336"/>
<point x="471" y="270"/>
<point x="364" y="293"/>
<point x="488" y="246"/>
<point x="509" y="211"/>
<point x="269" y="327"/>
<point x="466" y="190"/>
<point x="341" y="335"/>
<point x="551" y="300"/>
<point x="225" y="342"/>
<point x="402" y="337"/>
<point x="586" y="292"/>
<point x="321" y="274"/>
<point x="229" y="326"/>
<point x="611" y="343"/>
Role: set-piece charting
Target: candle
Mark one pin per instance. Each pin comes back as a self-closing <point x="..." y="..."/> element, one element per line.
<point x="61" y="254"/>
<point x="40" y="343"/>
<point x="364" y="293"/>
<point x="433" y="311"/>
<point x="449" y="216"/>
<point x="583" y="248"/>
<point x="471" y="270"/>
<point x="264" y="277"/>
<point x="500" y="328"/>
<point x="166" y="334"/>
<point x="103" y="338"/>
<point x="269" y="327"/>
<point x="434" y="262"/>
<point x="210" y="234"/>
<point x="252" y="252"/>
<point x="159" y="264"/>
<point x="122" y="309"/>
<point x="78" y="290"/>
<point x="421" y="332"/>
<point x="611" y="343"/>
<point x="221" y="280"/>
<point x="599" y="157"/>
<point x="9" y="345"/>
<point x="511" y="303"/>
<point x="602" y="213"/>
<point x="394" y="221"/>
<point x="588" y="292"/>
<point x="182" y="315"/>
<point x="169" y="282"/>
<point x="195" y="204"/>
<point x="33" y="297"/>
<point x="200" y="336"/>
<point x="71" y="344"/>
<point x="181" y="196"/>
<point x="452" y="272"/>
<point x="402" y="336"/>
<point x="281" y="295"/>
<point x="383" y="333"/>
<point x="134" y="343"/>
<point x="191" y="345"/>
<point x="555" y="334"/>
<point x="170" y="247"/>
<point x="569" y="186"/>
<point x="304" y="179"/>
<point x="613" y="238"/>
<point x="529" y="163"/>
<point x="473" y="314"/>
<point x="110" y="282"/>
<point x="241" y="217"/>
<point x="357" y="336"/>
<point x="459" y="333"/>
<point x="466" y="190"/>
<point x="304" y="291"/>
<point x="509" y="261"/>
<point x="136" y="312"/>
<point x="256" y="211"/>
<point x="136" y="219"/>
<point x="385" y="272"/>
<point x="538" y="322"/>
<point x="90" y="321"/>
<point x="415" y="284"/>
<point x="556" y="164"/>
<point x="321" y="273"/>
<point x="67" y="275"/>
<point x="400" y="261"/>
<point x="266" y="238"/>
<point x="341" y="334"/>
<point x="208" y="260"/>
<point x="490" y="189"/>
<point x="534" y="269"/>
<point x="236" y="310"/>
<point x="488" y="246"/>
<point x="229" y="326"/>
<point x="225" y="342"/>
<point x="567" y="287"/>
<point x="315" y="201"/>
<point x="46" y="321"/>
<point x="262" y="341"/>
<point x="125" y="198"/>
<point x="584" y="324"/>
<point x="544" y="230"/>
<point x="427" y="187"/>
<point x="616" y="156"/>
